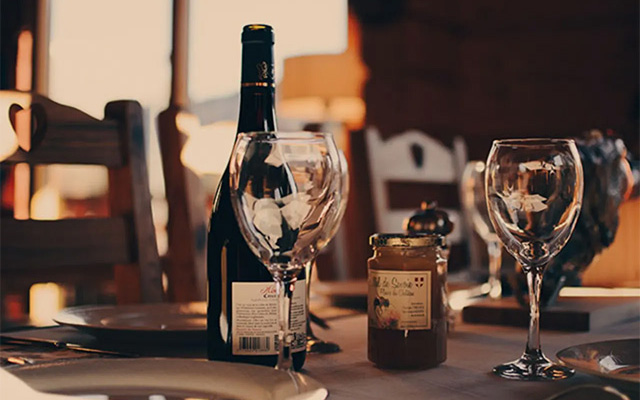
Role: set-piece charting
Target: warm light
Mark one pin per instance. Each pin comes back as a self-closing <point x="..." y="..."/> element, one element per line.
<point x="349" y="110"/>
<point x="327" y="76"/>
<point x="160" y="211"/>
<point x="46" y="204"/>
<point x="78" y="181"/>
<point x="459" y="299"/>
<point x="187" y="123"/>
<point x="165" y="282"/>
<point x="325" y="87"/>
<point x="23" y="61"/>
<point x="45" y="301"/>
<point x="21" y="191"/>
<point x="599" y="292"/>
<point x="8" y="139"/>
<point x="303" y="108"/>
<point x="22" y="121"/>
<point x="208" y="148"/>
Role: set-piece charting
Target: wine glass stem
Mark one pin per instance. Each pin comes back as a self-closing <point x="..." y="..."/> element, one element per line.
<point x="308" y="271"/>
<point x="284" y="289"/>
<point x="494" y="249"/>
<point x="534" y="281"/>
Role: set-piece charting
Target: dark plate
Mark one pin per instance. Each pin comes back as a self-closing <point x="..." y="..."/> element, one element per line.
<point x="160" y="322"/>
<point x="614" y="359"/>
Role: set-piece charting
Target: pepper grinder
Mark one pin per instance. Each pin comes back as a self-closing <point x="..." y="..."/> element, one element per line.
<point x="430" y="219"/>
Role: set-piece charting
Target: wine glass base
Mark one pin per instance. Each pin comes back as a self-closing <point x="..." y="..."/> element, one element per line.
<point x="533" y="368"/>
<point x="315" y="345"/>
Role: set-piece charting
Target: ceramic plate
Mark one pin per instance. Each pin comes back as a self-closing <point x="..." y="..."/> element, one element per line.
<point x="614" y="359"/>
<point x="168" y="378"/>
<point x="184" y="322"/>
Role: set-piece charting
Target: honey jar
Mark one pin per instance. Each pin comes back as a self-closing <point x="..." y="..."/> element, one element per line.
<point x="407" y="325"/>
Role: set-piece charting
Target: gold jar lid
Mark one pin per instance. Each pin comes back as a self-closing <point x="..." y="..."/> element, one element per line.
<point x="404" y="240"/>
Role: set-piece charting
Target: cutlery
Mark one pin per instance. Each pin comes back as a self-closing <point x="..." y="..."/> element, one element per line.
<point x="14" y="360"/>
<point x="62" y="345"/>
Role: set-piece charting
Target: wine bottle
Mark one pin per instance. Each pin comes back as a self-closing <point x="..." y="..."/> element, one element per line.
<point x="242" y="304"/>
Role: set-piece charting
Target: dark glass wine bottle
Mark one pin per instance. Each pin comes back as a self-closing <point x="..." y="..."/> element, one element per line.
<point x="242" y="306"/>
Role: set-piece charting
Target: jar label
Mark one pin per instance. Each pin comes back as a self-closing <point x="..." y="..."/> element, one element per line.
<point x="255" y="318"/>
<point x="399" y="299"/>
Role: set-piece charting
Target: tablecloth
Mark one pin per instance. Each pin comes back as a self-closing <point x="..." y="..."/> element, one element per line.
<point x="472" y="352"/>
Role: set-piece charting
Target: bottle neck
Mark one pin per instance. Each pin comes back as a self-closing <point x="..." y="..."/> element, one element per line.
<point x="257" y="92"/>
<point x="257" y="109"/>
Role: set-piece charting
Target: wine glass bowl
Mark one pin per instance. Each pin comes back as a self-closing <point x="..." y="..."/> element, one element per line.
<point x="475" y="204"/>
<point x="283" y="187"/>
<point x="340" y="192"/>
<point x="534" y="194"/>
<point x="475" y="200"/>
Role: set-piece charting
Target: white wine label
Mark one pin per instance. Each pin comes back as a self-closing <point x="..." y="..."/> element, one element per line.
<point x="399" y="299"/>
<point x="255" y="318"/>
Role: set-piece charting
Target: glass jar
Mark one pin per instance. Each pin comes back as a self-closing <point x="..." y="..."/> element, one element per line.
<point x="430" y="219"/>
<point x="407" y="325"/>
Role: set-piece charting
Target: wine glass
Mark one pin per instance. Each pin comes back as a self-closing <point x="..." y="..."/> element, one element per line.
<point x="534" y="193"/>
<point x="473" y="197"/>
<point x="315" y="344"/>
<point x="282" y="188"/>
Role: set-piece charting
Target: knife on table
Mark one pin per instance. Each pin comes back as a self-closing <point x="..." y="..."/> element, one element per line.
<point x="62" y="345"/>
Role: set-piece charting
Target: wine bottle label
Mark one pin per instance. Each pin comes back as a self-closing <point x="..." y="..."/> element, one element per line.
<point x="255" y="318"/>
<point x="399" y="299"/>
<point x="257" y="65"/>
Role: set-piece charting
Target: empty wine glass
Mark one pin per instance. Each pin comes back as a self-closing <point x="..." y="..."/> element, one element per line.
<point x="282" y="188"/>
<point x="475" y="203"/>
<point x="534" y="193"/>
<point x="315" y="344"/>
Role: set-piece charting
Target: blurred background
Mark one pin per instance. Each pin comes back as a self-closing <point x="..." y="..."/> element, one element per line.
<point x="461" y="73"/>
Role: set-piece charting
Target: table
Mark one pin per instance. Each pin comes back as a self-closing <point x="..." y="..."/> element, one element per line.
<point x="472" y="351"/>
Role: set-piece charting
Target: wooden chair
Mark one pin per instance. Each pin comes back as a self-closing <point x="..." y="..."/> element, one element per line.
<point x="121" y="246"/>
<point x="412" y="167"/>
<point x="185" y="251"/>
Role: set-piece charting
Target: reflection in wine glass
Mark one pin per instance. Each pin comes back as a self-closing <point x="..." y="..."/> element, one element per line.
<point x="475" y="204"/>
<point x="341" y="192"/>
<point x="534" y="193"/>
<point x="283" y="187"/>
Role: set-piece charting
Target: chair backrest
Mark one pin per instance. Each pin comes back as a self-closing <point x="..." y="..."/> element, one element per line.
<point x="51" y="133"/>
<point x="412" y="167"/>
